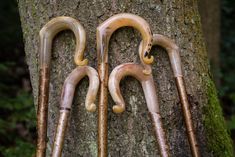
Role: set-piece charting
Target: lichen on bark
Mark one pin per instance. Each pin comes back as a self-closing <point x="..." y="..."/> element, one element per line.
<point x="215" y="125"/>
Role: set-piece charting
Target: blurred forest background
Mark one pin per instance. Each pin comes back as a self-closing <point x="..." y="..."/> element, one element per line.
<point x="17" y="112"/>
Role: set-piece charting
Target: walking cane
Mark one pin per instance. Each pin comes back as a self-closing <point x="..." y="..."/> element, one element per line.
<point x="136" y="71"/>
<point x="67" y="98"/>
<point x="124" y="70"/>
<point x="47" y="34"/>
<point x="174" y="56"/>
<point x="103" y="34"/>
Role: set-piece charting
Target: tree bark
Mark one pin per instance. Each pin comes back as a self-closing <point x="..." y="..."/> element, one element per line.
<point x="130" y="134"/>
<point x="210" y="18"/>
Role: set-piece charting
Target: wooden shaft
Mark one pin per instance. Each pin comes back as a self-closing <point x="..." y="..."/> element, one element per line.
<point x="154" y="112"/>
<point x="174" y="56"/>
<point x="103" y="35"/>
<point x="187" y="117"/>
<point x="159" y="134"/>
<point x="42" y="110"/>
<point x="60" y="132"/>
<point x="46" y="34"/>
<point x="67" y="98"/>
<point x="103" y="111"/>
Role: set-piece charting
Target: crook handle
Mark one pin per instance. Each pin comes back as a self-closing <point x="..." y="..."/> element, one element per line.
<point x="56" y="25"/>
<point x="103" y="35"/>
<point x="106" y="29"/>
<point x="46" y="35"/>
<point x="174" y="56"/>
<point x="135" y="70"/>
<point x="172" y="50"/>
<point x="67" y="98"/>
<point x="126" y="69"/>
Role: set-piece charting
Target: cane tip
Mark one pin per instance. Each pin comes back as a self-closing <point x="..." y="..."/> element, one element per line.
<point x="91" y="107"/>
<point x="148" y="60"/>
<point x="81" y="62"/>
<point x="118" y="108"/>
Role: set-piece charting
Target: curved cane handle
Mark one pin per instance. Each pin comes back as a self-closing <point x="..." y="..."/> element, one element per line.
<point x="172" y="50"/>
<point x="136" y="71"/>
<point x="67" y="98"/>
<point x="103" y="34"/>
<point x="48" y="32"/>
<point x="174" y="56"/>
<point x="127" y="69"/>
<point x="71" y="82"/>
<point x="106" y="29"/>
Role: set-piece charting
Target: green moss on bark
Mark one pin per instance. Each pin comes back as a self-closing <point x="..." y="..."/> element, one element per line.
<point x="218" y="140"/>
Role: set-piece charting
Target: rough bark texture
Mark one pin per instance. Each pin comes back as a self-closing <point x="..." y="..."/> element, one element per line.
<point x="210" y="19"/>
<point x="130" y="134"/>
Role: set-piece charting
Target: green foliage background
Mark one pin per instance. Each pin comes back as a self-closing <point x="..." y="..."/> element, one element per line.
<point x="227" y="59"/>
<point x="17" y="112"/>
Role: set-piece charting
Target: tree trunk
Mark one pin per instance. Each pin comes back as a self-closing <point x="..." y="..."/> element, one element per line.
<point x="210" y="19"/>
<point x="130" y="134"/>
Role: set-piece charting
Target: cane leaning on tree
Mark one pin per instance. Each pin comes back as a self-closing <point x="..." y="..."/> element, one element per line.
<point x="103" y="35"/>
<point x="67" y="98"/>
<point x="147" y="82"/>
<point x="173" y="52"/>
<point x="47" y="33"/>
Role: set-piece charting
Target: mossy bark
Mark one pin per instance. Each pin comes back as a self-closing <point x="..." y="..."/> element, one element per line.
<point x="130" y="134"/>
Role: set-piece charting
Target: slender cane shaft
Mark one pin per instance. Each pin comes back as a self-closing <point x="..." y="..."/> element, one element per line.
<point x="159" y="133"/>
<point x="47" y="33"/>
<point x="60" y="133"/>
<point x="66" y="102"/>
<point x="147" y="82"/>
<point x="103" y="35"/>
<point x="154" y="112"/>
<point x="174" y="56"/>
<point x="103" y="111"/>
<point x="187" y="117"/>
<point x="42" y="111"/>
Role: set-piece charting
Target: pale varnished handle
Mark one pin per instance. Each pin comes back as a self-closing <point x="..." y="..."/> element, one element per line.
<point x="136" y="71"/>
<point x="67" y="99"/>
<point x="46" y="35"/>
